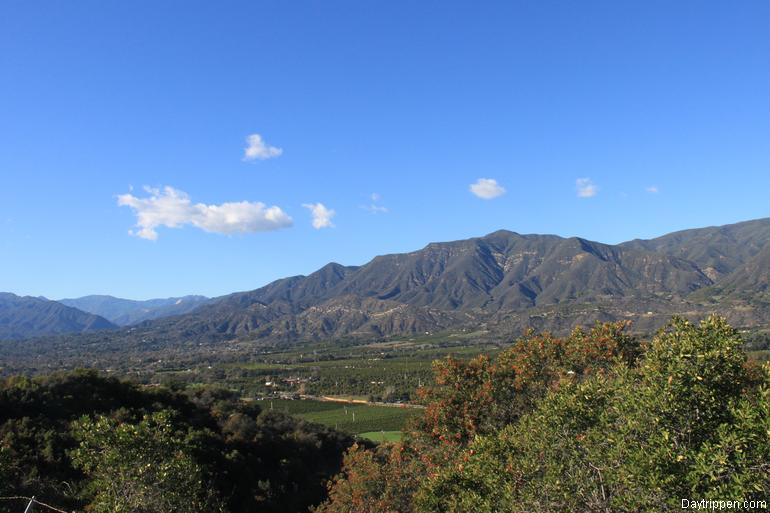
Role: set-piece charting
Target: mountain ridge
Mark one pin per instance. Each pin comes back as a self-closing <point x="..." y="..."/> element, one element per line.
<point x="26" y="316"/>
<point x="125" y="312"/>
<point x="488" y="281"/>
<point x="500" y="282"/>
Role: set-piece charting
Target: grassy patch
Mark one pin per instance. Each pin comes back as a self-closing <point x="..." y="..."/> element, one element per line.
<point x="298" y="407"/>
<point x="382" y="436"/>
<point x="358" y="418"/>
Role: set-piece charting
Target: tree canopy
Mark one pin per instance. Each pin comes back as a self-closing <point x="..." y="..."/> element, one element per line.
<point x="81" y="440"/>
<point x="592" y="422"/>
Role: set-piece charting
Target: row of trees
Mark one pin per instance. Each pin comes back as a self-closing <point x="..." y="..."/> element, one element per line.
<point x="592" y="422"/>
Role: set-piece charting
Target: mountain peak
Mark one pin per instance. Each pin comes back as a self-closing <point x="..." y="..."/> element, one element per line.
<point x="501" y="233"/>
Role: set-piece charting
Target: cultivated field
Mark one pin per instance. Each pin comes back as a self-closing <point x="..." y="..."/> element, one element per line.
<point x="365" y="420"/>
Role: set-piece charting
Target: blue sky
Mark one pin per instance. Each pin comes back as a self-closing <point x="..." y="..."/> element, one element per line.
<point x="113" y="110"/>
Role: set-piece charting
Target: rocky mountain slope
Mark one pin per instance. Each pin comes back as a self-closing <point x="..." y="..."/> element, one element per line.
<point x="498" y="284"/>
<point x="503" y="281"/>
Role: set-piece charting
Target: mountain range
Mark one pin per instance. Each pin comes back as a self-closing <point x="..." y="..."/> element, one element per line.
<point x="504" y="282"/>
<point x="22" y="317"/>
<point x="500" y="283"/>
<point x="125" y="312"/>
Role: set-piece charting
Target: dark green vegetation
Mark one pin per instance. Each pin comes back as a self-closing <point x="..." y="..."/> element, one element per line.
<point x="124" y="312"/>
<point x="593" y="422"/>
<point x="80" y="440"/>
<point x="22" y="317"/>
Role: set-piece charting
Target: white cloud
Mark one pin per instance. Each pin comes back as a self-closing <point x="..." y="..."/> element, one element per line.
<point x="258" y="149"/>
<point x="586" y="188"/>
<point x="322" y="216"/>
<point x="652" y="189"/>
<point x="487" y="188"/>
<point x="374" y="207"/>
<point x="173" y="208"/>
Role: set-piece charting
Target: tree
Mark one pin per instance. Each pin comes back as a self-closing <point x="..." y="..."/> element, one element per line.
<point x="255" y="460"/>
<point x="687" y="422"/>
<point x="376" y="481"/>
<point x="539" y="464"/>
<point x="481" y="396"/>
<point x="471" y="398"/>
<point x="145" y="467"/>
<point x="5" y="470"/>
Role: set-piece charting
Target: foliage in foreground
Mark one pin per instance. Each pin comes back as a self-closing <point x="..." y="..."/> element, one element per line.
<point x="137" y="465"/>
<point x="592" y="422"/>
<point x="81" y="441"/>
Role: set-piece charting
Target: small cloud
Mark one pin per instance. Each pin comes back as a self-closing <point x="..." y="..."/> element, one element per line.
<point x="586" y="188"/>
<point x="374" y="207"/>
<point x="652" y="189"/>
<point x="258" y="149"/>
<point x="173" y="208"/>
<point x="487" y="188"/>
<point x="322" y="216"/>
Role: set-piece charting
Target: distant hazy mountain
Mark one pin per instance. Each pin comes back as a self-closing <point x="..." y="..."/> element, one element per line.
<point x="22" y="317"/>
<point x="124" y="312"/>
<point x="503" y="282"/>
